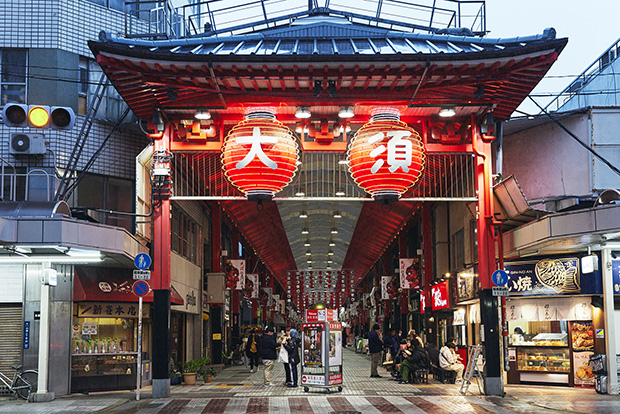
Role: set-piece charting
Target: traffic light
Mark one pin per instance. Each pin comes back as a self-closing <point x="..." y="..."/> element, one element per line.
<point x="38" y="116"/>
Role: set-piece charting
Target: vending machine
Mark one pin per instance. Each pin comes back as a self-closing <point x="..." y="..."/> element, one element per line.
<point x="321" y="349"/>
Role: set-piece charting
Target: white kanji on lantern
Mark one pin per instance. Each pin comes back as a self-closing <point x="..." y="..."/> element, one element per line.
<point x="256" y="139"/>
<point x="399" y="151"/>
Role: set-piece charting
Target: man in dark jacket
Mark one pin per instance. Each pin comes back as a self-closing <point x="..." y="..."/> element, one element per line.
<point x="292" y="347"/>
<point x="269" y="355"/>
<point x="375" y="345"/>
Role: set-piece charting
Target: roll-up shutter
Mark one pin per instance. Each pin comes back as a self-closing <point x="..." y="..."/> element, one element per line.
<point x="11" y="331"/>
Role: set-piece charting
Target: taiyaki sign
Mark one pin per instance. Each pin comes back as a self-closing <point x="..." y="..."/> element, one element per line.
<point x="549" y="276"/>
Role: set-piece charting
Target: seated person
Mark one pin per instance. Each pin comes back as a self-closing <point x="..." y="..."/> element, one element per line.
<point x="415" y="359"/>
<point x="433" y="353"/>
<point x="449" y="361"/>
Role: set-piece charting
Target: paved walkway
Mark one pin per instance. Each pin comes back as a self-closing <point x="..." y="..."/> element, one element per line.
<point x="236" y="390"/>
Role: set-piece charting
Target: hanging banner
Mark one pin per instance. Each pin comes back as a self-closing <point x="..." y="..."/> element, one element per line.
<point x="276" y="303"/>
<point x="422" y="302"/>
<point x="385" y="284"/>
<point x="251" y="286"/>
<point x="410" y="273"/>
<point x="439" y="293"/>
<point x="266" y="297"/>
<point x="235" y="274"/>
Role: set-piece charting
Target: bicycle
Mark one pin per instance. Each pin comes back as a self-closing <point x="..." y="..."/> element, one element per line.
<point x="24" y="383"/>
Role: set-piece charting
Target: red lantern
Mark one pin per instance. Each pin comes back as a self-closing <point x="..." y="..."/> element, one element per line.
<point x="386" y="157"/>
<point x="260" y="156"/>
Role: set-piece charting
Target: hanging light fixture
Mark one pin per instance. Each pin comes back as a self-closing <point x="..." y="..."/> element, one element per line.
<point x="447" y="112"/>
<point x="304" y="231"/>
<point x="346" y="112"/>
<point x="307" y="243"/>
<point x="303" y="214"/>
<point x="202" y="115"/>
<point x="386" y="156"/>
<point x="260" y="155"/>
<point x="331" y="243"/>
<point x="303" y="112"/>
<point x="337" y="214"/>
<point x="334" y="230"/>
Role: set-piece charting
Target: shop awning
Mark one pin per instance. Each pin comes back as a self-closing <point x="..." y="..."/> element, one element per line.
<point x="110" y="285"/>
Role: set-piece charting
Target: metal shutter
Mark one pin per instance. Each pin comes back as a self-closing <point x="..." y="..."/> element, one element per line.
<point x="10" y="337"/>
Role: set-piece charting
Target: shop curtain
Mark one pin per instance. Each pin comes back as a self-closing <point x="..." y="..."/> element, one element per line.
<point x="513" y="310"/>
<point x="583" y="308"/>
<point x="474" y="313"/>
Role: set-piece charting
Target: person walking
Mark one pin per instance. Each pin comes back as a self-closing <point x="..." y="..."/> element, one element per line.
<point x="243" y="351"/>
<point x="269" y="355"/>
<point x="375" y="345"/>
<point x="283" y="355"/>
<point x="252" y="350"/>
<point x="292" y="346"/>
<point x="449" y="361"/>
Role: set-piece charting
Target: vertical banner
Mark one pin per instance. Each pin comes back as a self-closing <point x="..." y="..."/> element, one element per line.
<point x="439" y="294"/>
<point x="385" y="283"/>
<point x="282" y="306"/>
<point x="252" y="286"/>
<point x="422" y="302"/>
<point x="276" y="303"/>
<point x="235" y="274"/>
<point x="410" y="275"/>
<point x="266" y="297"/>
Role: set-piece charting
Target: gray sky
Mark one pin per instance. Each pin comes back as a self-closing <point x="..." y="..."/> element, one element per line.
<point x="591" y="27"/>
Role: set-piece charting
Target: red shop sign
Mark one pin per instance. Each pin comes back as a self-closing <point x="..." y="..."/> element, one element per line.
<point x="439" y="295"/>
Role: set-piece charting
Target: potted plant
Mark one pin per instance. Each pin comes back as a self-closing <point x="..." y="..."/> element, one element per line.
<point x="191" y="368"/>
<point x="208" y="374"/>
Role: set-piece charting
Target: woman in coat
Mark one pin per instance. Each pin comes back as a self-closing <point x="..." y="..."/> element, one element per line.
<point x="292" y="346"/>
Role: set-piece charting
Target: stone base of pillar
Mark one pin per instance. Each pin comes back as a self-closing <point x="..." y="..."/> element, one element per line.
<point x="494" y="386"/>
<point x="161" y="388"/>
<point x="44" y="396"/>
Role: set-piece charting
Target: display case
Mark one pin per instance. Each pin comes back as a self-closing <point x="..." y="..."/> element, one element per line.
<point x="103" y="372"/>
<point x="543" y="359"/>
<point x="551" y="339"/>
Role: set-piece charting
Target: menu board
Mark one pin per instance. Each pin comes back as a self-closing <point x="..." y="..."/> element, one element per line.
<point x="582" y="336"/>
<point x="583" y="371"/>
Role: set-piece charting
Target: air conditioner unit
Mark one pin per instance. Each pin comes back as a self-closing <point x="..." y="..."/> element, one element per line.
<point x="27" y="144"/>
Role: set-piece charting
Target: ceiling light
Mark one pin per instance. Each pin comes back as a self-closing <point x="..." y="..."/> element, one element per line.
<point x="203" y="115"/>
<point x="331" y="243"/>
<point x="330" y="253"/>
<point x="304" y="231"/>
<point x="307" y="243"/>
<point x="346" y="112"/>
<point x="303" y="112"/>
<point x="299" y="194"/>
<point x="308" y="261"/>
<point x="330" y="261"/>
<point x="334" y="231"/>
<point x="329" y="268"/>
<point x="343" y="162"/>
<point x="339" y="193"/>
<point x="308" y="253"/>
<point x="299" y="129"/>
<point x="303" y="214"/>
<point x="447" y="112"/>
<point x="337" y="214"/>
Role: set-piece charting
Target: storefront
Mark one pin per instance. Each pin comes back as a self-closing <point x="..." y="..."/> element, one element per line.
<point x="555" y="321"/>
<point x="104" y="330"/>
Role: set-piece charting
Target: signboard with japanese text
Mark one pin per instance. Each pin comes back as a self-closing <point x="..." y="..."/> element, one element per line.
<point x="439" y="296"/>
<point x="385" y="283"/>
<point x="276" y="303"/>
<point x="582" y="370"/>
<point x="266" y="297"/>
<point x="112" y="310"/>
<point x="321" y="315"/>
<point x="410" y="275"/>
<point x="459" y="317"/>
<point x="551" y="276"/>
<point x="312" y="345"/>
<point x="90" y="328"/>
<point x="335" y="379"/>
<point x="250" y="291"/>
<point x="235" y="274"/>
<point x="307" y="379"/>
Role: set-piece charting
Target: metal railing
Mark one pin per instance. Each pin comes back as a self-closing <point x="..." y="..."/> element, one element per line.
<point x="581" y="81"/>
<point x="160" y="20"/>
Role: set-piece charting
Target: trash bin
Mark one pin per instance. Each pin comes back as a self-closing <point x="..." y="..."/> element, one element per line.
<point x="598" y="363"/>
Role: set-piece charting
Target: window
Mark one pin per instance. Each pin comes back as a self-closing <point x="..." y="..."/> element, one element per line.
<point x="107" y="193"/>
<point x="13" y="78"/>
<point x="458" y="250"/>
<point x="186" y="237"/>
<point x="83" y="87"/>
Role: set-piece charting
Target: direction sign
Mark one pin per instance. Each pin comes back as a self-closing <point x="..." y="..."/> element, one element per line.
<point x="142" y="261"/>
<point x="141" y="275"/>
<point x="500" y="277"/>
<point x="140" y="288"/>
<point x="500" y="291"/>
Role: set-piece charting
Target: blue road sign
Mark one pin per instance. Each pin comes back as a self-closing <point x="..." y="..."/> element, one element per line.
<point x="142" y="261"/>
<point x="500" y="277"/>
<point x="140" y="288"/>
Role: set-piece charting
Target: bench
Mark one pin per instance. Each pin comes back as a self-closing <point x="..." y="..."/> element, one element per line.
<point x="443" y="375"/>
<point x="421" y="376"/>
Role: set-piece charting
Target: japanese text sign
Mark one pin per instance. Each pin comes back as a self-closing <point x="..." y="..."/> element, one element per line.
<point x="439" y="295"/>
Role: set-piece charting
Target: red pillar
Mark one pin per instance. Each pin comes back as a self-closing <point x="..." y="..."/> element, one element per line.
<point x="160" y="281"/>
<point x="236" y="294"/>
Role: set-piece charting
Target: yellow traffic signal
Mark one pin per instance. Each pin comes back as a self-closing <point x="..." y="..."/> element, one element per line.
<point x="38" y="116"/>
